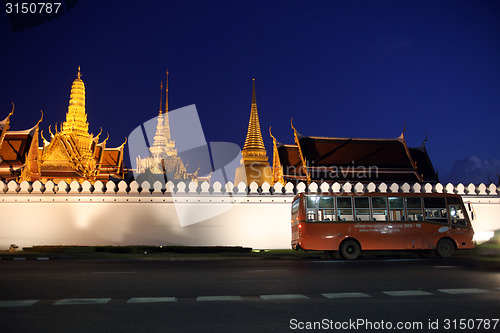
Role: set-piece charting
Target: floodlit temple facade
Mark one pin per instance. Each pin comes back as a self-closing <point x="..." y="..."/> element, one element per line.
<point x="254" y="163"/>
<point x="72" y="154"/>
<point x="163" y="159"/>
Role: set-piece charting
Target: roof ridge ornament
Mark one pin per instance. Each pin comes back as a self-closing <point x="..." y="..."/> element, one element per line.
<point x="402" y="136"/>
<point x="304" y="164"/>
<point x="272" y="136"/>
<point x="41" y="118"/>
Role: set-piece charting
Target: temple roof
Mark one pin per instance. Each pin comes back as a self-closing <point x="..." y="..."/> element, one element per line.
<point x="112" y="158"/>
<point x="424" y="164"/>
<point x="348" y="159"/>
<point x="390" y="153"/>
<point x="15" y="146"/>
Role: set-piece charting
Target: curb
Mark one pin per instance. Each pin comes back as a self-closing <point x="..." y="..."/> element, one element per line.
<point x="25" y="258"/>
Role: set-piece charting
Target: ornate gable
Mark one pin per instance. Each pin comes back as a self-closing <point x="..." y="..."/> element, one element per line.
<point x="56" y="155"/>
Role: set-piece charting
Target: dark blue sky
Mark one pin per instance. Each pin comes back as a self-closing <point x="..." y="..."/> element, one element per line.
<point x="339" y="68"/>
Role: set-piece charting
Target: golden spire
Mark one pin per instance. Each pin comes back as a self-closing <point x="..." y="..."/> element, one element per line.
<point x="254" y="149"/>
<point x="254" y="163"/>
<point x="76" y="118"/>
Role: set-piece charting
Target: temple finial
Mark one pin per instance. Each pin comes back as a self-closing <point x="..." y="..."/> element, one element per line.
<point x="166" y="94"/>
<point x="79" y="74"/>
<point x="161" y="97"/>
<point x="254" y="99"/>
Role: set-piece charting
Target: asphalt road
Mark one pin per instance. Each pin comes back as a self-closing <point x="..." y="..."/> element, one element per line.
<point x="401" y="295"/>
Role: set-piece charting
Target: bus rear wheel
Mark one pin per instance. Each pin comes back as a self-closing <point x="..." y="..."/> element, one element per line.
<point x="350" y="249"/>
<point x="445" y="248"/>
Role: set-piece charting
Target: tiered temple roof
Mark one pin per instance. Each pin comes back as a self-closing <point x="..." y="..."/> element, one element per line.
<point x="75" y="154"/>
<point x="71" y="154"/>
<point x="325" y="159"/>
<point x="16" y="148"/>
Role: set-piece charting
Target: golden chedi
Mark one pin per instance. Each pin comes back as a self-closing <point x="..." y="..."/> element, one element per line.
<point x="254" y="164"/>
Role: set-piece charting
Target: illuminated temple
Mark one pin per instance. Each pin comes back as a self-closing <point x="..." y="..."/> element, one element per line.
<point x="18" y="150"/>
<point x="330" y="159"/>
<point x="71" y="154"/>
<point x="254" y="163"/>
<point x="163" y="159"/>
<point x="74" y="154"/>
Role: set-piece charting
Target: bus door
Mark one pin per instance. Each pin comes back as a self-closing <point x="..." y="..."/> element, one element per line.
<point x="460" y="226"/>
<point x="435" y="212"/>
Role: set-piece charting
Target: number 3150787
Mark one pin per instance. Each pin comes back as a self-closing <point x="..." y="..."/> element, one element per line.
<point x="32" y="7"/>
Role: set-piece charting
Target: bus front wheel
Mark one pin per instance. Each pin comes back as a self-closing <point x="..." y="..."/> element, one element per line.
<point x="445" y="248"/>
<point x="350" y="249"/>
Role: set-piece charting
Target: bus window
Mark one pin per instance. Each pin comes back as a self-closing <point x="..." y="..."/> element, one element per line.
<point x="379" y="206"/>
<point x="414" y="209"/>
<point x="311" y="210"/>
<point x="344" y="209"/>
<point x="456" y="210"/>
<point x="326" y="209"/>
<point x="362" y="208"/>
<point x="396" y="209"/>
<point x="435" y="210"/>
<point x="295" y="206"/>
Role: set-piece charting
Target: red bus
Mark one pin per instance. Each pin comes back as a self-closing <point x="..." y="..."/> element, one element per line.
<point x="345" y="224"/>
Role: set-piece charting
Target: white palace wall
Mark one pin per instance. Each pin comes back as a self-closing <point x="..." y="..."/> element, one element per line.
<point x="182" y="214"/>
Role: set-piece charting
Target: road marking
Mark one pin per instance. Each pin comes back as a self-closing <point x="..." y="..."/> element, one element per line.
<point x="152" y="300"/>
<point x="345" y="295"/>
<point x="73" y="301"/>
<point x="42" y="258"/>
<point x="407" y="293"/>
<point x="17" y="258"/>
<point x="463" y="291"/>
<point x="6" y="304"/>
<point x="446" y="266"/>
<point x="114" y="272"/>
<point x="218" y="298"/>
<point x="283" y="297"/>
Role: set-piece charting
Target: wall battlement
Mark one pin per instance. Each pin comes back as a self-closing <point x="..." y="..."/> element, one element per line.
<point x="193" y="188"/>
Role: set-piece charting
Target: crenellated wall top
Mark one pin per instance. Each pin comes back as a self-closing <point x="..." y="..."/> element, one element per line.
<point x="192" y="188"/>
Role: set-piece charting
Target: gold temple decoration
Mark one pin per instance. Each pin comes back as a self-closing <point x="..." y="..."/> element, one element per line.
<point x="277" y="176"/>
<point x="304" y="163"/>
<point x="73" y="153"/>
<point x="254" y="164"/>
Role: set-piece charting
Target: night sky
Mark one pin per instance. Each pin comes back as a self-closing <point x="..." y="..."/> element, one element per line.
<point x="339" y="68"/>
